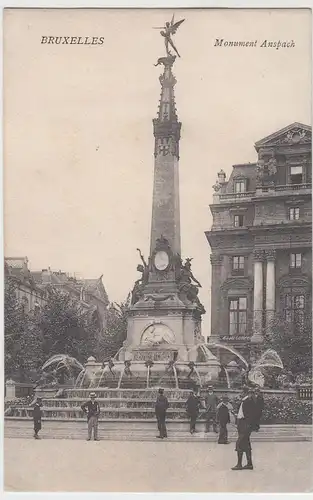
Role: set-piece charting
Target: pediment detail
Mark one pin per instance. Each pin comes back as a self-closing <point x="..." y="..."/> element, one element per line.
<point x="296" y="133"/>
<point x="237" y="283"/>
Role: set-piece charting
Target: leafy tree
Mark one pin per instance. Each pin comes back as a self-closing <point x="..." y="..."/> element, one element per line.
<point x="14" y="324"/>
<point x="66" y="328"/>
<point x="293" y="342"/>
<point x="62" y="326"/>
<point x="116" y="330"/>
<point x="22" y="339"/>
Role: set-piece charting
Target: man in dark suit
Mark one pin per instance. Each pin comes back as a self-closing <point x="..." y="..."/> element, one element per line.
<point x="223" y="418"/>
<point x="92" y="409"/>
<point x="259" y="407"/>
<point x="211" y="404"/>
<point x="37" y="415"/>
<point x="193" y="405"/>
<point x="245" y="422"/>
<point x="161" y="406"/>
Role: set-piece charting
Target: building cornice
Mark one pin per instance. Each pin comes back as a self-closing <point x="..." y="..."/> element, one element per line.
<point x="282" y="227"/>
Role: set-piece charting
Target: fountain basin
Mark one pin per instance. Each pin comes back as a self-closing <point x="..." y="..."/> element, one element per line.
<point x="160" y="374"/>
<point x="122" y="404"/>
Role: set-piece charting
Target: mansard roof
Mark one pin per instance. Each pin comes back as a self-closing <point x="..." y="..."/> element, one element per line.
<point x="293" y="134"/>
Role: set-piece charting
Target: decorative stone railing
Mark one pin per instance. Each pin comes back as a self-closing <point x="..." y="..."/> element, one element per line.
<point x="293" y="187"/>
<point x="260" y="191"/>
<point x="225" y="197"/>
<point x="15" y="390"/>
<point x="304" y="392"/>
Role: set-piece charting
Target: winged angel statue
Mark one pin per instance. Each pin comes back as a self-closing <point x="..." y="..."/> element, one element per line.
<point x="170" y="29"/>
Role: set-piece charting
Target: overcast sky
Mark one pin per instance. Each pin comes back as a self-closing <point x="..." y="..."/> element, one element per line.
<point x="78" y="165"/>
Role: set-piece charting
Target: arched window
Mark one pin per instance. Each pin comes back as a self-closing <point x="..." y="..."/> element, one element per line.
<point x="295" y="309"/>
<point x="295" y="303"/>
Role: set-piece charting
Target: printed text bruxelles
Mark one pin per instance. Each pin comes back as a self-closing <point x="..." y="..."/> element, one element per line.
<point x="73" y="40"/>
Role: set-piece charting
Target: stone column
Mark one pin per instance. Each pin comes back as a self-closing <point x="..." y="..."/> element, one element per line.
<point x="270" y="286"/>
<point x="10" y="390"/>
<point x="216" y="267"/>
<point x="92" y="367"/>
<point x="258" y="297"/>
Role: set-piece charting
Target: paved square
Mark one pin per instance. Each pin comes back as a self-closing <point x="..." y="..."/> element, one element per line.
<point x="160" y="466"/>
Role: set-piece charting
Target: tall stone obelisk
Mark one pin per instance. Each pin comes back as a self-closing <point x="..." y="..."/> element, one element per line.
<point x="165" y="316"/>
<point x="165" y="243"/>
<point x="166" y="127"/>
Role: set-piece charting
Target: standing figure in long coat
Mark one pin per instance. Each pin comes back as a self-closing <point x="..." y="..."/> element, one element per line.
<point x="259" y="407"/>
<point x="211" y="404"/>
<point x="193" y="405"/>
<point x="161" y="406"/>
<point x="245" y="422"/>
<point x="223" y="418"/>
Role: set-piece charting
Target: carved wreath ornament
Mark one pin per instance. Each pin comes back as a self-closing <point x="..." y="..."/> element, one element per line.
<point x="295" y="136"/>
<point x="266" y="166"/>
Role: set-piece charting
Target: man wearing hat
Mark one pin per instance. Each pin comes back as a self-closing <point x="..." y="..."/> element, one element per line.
<point x="223" y="417"/>
<point x="193" y="405"/>
<point x="37" y="414"/>
<point x="245" y="421"/>
<point x="259" y="407"/>
<point x="161" y="406"/>
<point x="211" y="405"/>
<point x="92" y="409"/>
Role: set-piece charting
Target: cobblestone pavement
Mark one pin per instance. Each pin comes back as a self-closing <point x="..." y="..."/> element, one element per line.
<point x="160" y="466"/>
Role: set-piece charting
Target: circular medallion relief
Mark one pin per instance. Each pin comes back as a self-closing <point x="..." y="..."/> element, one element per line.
<point x="158" y="334"/>
<point x="296" y="138"/>
<point x="161" y="260"/>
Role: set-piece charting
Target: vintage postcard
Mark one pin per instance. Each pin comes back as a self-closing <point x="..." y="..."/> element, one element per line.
<point x="158" y="250"/>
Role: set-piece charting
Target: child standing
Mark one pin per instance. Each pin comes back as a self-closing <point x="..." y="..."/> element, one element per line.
<point x="37" y="415"/>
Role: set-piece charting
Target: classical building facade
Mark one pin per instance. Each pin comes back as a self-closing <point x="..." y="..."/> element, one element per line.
<point x="32" y="288"/>
<point x="260" y="239"/>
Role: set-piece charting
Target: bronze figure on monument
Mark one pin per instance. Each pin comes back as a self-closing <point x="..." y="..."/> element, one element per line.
<point x="170" y="29"/>
<point x="143" y="268"/>
<point x="186" y="288"/>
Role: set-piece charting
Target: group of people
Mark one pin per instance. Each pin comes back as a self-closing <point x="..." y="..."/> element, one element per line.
<point x="217" y="415"/>
<point x="91" y="408"/>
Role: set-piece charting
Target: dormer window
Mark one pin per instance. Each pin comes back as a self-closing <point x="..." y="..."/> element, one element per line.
<point x="240" y="186"/>
<point x="296" y="174"/>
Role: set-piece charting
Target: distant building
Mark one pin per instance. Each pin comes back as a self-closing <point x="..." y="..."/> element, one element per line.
<point x="32" y="288"/>
<point x="261" y="240"/>
<point x="28" y="292"/>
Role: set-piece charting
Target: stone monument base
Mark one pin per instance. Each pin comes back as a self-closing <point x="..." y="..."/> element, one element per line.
<point x="159" y="353"/>
<point x="169" y="325"/>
